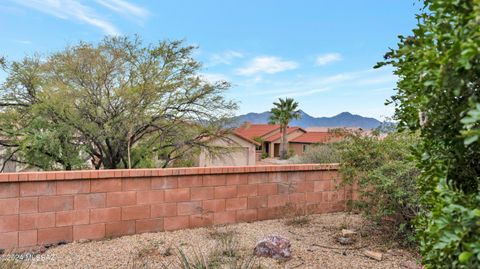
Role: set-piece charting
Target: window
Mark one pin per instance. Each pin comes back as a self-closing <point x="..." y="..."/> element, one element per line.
<point x="304" y="148"/>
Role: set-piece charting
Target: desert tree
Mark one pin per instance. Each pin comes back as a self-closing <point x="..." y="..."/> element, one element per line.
<point x="114" y="104"/>
<point x="284" y="111"/>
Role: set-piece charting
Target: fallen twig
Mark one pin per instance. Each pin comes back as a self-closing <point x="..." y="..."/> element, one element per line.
<point x="340" y="248"/>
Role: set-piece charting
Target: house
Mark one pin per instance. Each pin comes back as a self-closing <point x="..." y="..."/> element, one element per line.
<point x="272" y="142"/>
<point x="246" y="143"/>
<point x="270" y="137"/>
<point x="239" y="150"/>
<point x="301" y="143"/>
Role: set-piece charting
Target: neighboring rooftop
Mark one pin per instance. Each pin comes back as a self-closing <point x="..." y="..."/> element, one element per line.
<point x="246" y="138"/>
<point x="277" y="135"/>
<point x="271" y="132"/>
<point x="314" y="137"/>
<point x="256" y="130"/>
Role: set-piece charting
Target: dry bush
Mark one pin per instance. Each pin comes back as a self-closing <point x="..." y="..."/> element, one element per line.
<point x="321" y="153"/>
<point x="296" y="215"/>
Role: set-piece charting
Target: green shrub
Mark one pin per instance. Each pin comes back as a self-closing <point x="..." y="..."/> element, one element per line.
<point x="383" y="171"/>
<point x="291" y="153"/>
<point x="321" y="153"/>
<point x="452" y="230"/>
<point x="437" y="93"/>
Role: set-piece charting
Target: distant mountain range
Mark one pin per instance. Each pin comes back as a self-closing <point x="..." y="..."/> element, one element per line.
<point x="344" y="119"/>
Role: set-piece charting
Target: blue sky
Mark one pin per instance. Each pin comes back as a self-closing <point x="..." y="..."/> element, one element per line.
<point x="319" y="52"/>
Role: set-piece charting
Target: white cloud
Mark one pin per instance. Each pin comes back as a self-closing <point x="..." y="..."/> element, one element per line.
<point x="76" y="10"/>
<point x="124" y="7"/>
<point x="226" y="57"/>
<point x="267" y="64"/>
<point x="306" y="84"/>
<point x="328" y="58"/>
<point x="71" y="10"/>
<point x="303" y="86"/>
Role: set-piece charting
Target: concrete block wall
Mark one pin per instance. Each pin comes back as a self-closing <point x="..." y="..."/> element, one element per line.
<point x="39" y="208"/>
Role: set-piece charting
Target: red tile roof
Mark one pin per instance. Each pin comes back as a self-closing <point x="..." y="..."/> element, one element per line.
<point x="314" y="137"/>
<point x="246" y="138"/>
<point x="256" y="130"/>
<point x="279" y="134"/>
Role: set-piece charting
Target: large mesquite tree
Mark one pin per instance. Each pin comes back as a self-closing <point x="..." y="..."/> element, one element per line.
<point x="116" y="104"/>
<point x="438" y="93"/>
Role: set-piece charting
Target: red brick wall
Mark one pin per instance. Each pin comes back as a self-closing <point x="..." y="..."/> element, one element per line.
<point x="48" y="207"/>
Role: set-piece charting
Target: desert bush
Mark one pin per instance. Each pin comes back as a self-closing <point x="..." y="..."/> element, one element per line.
<point x="385" y="175"/>
<point x="195" y="260"/>
<point x="247" y="262"/>
<point x="298" y="221"/>
<point x="321" y="153"/>
<point x="296" y="215"/>
<point x="228" y="245"/>
<point x="226" y="256"/>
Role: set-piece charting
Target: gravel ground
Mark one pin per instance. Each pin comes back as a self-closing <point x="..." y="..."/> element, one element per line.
<point x="313" y="246"/>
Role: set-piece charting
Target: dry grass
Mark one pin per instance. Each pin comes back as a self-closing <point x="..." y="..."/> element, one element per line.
<point x="299" y="221"/>
<point x="227" y="254"/>
<point x="296" y="216"/>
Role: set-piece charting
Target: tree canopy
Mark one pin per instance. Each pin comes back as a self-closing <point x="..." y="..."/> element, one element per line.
<point x="284" y="111"/>
<point x="438" y="93"/>
<point x="107" y="102"/>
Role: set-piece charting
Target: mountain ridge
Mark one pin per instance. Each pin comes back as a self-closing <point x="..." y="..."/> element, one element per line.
<point x="344" y="119"/>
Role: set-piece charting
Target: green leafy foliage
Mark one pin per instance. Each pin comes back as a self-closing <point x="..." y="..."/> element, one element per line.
<point x="115" y="104"/>
<point x="383" y="172"/>
<point x="471" y="124"/>
<point x="438" y="93"/>
<point x="48" y="144"/>
<point x="284" y="111"/>
<point x="452" y="229"/>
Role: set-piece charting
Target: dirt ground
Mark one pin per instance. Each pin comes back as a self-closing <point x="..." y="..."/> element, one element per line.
<point x="313" y="244"/>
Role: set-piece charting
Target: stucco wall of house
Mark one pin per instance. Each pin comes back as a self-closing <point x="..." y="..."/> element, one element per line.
<point x="238" y="152"/>
<point x="297" y="148"/>
<point x="290" y="136"/>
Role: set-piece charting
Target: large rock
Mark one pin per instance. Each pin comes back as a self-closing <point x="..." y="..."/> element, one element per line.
<point x="273" y="246"/>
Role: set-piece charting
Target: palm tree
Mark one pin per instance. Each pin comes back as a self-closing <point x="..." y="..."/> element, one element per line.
<point x="282" y="113"/>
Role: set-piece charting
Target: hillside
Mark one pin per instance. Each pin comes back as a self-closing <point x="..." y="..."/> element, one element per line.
<point x="344" y="119"/>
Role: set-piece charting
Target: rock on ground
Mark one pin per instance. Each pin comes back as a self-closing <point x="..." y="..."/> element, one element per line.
<point x="273" y="246"/>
